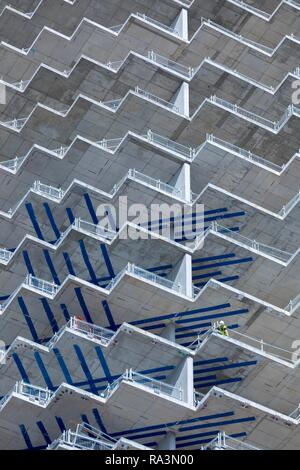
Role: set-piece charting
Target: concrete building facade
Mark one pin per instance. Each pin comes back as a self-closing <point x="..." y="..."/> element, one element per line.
<point x="110" y="335"/>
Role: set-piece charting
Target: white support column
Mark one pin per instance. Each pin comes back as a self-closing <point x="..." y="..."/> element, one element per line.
<point x="182" y="99"/>
<point x="184" y="276"/>
<point x="183" y="378"/>
<point x="169" y="332"/>
<point x="182" y="181"/>
<point x="168" y="442"/>
<point x="181" y="25"/>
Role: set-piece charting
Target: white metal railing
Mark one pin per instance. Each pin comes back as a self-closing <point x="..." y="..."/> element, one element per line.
<point x="242" y="152"/>
<point x="261" y="13"/>
<point x="244" y="112"/>
<point x="266" y="249"/>
<point x="158" y="184"/>
<point x="21" y="85"/>
<point x="15" y="123"/>
<point x="116" y="279"/>
<point x="187" y="152"/>
<point x="75" y="440"/>
<point x="152" y="277"/>
<point x="116" y="28"/>
<point x="115" y="64"/>
<point x="251" y="8"/>
<point x="258" y="344"/>
<point x="196" y="291"/>
<point x="61" y="151"/>
<point x="286" y="115"/>
<point x="186" y="2"/>
<point x="86" y="437"/>
<point x="171" y="64"/>
<point x="91" y="330"/>
<point x="297" y="72"/>
<point x="33" y="393"/>
<point x="293" y="303"/>
<point x="198" y="397"/>
<point x="110" y="144"/>
<point x="293" y="2"/>
<point x="287" y="207"/>
<point x="47" y="190"/>
<point x="156" y="99"/>
<point x="94" y="229"/>
<point x="4" y="400"/>
<point x="13" y="164"/>
<point x="296" y="413"/>
<point x="157" y="23"/>
<point x="5" y="254"/>
<point x="85" y="428"/>
<point x="46" y="287"/>
<point x="239" y="37"/>
<point x="225" y="442"/>
<point x="156" y="385"/>
<point x="231" y="71"/>
<point x="6" y="301"/>
<point x="169" y="144"/>
<point x="113" y="104"/>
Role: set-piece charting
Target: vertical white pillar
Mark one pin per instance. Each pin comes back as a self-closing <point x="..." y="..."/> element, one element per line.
<point x="183" y="378"/>
<point x="168" y="442"/>
<point x="181" y="99"/>
<point x="184" y="276"/>
<point x="181" y="24"/>
<point x="169" y="332"/>
<point x="182" y="182"/>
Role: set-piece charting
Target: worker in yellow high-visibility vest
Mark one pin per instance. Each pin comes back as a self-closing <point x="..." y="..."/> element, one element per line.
<point x="222" y="328"/>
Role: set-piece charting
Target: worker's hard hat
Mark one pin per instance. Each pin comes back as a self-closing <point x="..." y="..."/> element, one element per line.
<point x="221" y="322"/>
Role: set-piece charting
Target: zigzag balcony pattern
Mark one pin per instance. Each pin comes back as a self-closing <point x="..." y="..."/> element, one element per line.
<point x="110" y="332"/>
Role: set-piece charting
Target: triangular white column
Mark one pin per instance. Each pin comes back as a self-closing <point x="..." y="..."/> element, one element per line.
<point x="183" y="378"/>
<point x="182" y="181"/>
<point x="168" y="442"/>
<point x="169" y="332"/>
<point x="184" y="276"/>
<point x="181" y="24"/>
<point x="181" y="99"/>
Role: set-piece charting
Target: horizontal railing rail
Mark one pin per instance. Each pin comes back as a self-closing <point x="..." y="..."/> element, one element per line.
<point x="157" y="23"/>
<point x="258" y="246"/>
<point x="91" y="330"/>
<point x="225" y="442"/>
<point x="15" y="123"/>
<point x="41" y="285"/>
<point x="158" y="184"/>
<point x="113" y="104"/>
<point x="156" y="385"/>
<point x="169" y="144"/>
<point x="171" y="64"/>
<point x="5" y="254"/>
<point x="259" y="344"/>
<point x="94" y="229"/>
<point x="77" y="441"/>
<point x="152" y="277"/>
<point x="239" y="37"/>
<point x="45" y="189"/>
<point x="244" y="112"/>
<point x="156" y="99"/>
<point x="247" y="154"/>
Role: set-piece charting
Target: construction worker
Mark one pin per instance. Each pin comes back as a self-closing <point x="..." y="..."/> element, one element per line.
<point x="222" y="329"/>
